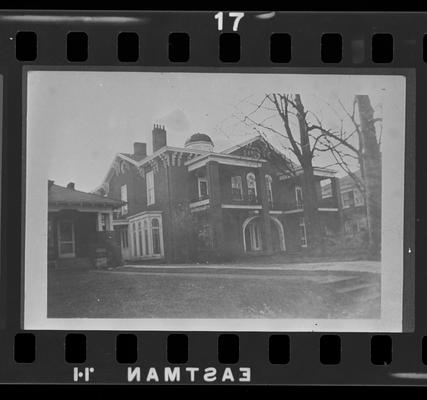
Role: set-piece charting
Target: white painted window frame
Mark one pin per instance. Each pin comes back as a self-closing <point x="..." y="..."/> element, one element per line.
<point x="299" y="189"/>
<point x="151" y="196"/>
<point x="269" y="187"/>
<point x="147" y="252"/>
<point x="201" y="179"/>
<point x="301" y="223"/>
<point x="239" y="181"/>
<point x="251" y="180"/>
<point x="124" y="197"/>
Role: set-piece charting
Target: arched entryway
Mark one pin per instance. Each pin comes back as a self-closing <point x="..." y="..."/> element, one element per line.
<point x="252" y="234"/>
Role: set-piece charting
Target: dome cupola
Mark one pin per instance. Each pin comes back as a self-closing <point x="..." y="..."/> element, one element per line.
<point x="199" y="141"/>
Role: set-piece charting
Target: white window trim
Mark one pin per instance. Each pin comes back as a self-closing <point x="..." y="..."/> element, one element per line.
<point x="150" y="189"/>
<point x="124" y="197"/>
<point x="145" y="253"/>
<point x="358" y="198"/>
<point x="269" y="186"/>
<point x="342" y="199"/>
<point x="199" y="180"/>
<point x="251" y="174"/>
<point x="299" y="189"/>
<point x="302" y="224"/>
<point x="238" y="187"/>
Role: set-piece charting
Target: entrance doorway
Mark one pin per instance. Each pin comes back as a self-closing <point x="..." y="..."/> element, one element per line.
<point x="66" y="242"/>
<point x="252" y="234"/>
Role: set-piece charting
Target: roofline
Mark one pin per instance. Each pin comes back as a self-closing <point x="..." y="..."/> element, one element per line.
<point x="147" y="159"/>
<point x="170" y="148"/>
<point x="327" y="172"/>
<point x="118" y="202"/>
<point x="86" y="203"/>
<point x="240" y="145"/>
<point x="204" y="158"/>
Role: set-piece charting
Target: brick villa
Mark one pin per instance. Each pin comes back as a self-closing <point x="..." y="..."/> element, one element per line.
<point x="193" y="203"/>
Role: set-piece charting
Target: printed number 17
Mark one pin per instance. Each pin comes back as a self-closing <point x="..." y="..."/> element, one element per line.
<point x="237" y="15"/>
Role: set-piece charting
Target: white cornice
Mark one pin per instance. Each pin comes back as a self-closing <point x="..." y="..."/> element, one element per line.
<point x="226" y="159"/>
<point x="229" y="150"/>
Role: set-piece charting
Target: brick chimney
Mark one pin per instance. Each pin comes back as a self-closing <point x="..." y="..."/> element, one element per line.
<point x="70" y="186"/>
<point x="140" y="150"/>
<point x="159" y="137"/>
<point x="50" y="183"/>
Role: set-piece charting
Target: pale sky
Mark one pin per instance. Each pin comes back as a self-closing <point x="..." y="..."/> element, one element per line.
<point x="78" y="120"/>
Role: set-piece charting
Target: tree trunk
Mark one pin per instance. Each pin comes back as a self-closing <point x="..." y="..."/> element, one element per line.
<point x="370" y="166"/>
<point x="311" y="208"/>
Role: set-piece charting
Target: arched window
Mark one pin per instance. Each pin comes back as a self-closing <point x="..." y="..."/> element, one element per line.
<point x="269" y="187"/>
<point x="251" y="182"/>
<point x="155" y="232"/>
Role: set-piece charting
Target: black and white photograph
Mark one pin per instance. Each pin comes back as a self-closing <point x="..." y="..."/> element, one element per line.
<point x="214" y="200"/>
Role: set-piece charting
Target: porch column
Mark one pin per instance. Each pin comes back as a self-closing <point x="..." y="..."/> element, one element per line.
<point x="110" y="221"/>
<point x="99" y="222"/>
<point x="215" y="211"/>
<point x="265" y="212"/>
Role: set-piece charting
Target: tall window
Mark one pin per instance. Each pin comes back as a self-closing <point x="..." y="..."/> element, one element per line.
<point x="269" y="187"/>
<point x="150" y="187"/>
<point x="236" y="187"/>
<point x="298" y="195"/>
<point x="155" y="231"/>
<point x="203" y="187"/>
<point x="303" y="233"/>
<point x="124" y="197"/>
<point x="251" y="182"/>
<point x="358" y="198"/>
<point x="348" y="199"/>
<point x="141" y="252"/>
<point x="124" y="238"/>
<point x="135" y="246"/>
<point x="146" y="238"/>
<point x="326" y="188"/>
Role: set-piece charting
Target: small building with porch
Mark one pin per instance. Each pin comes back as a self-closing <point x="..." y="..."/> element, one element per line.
<point x="80" y="228"/>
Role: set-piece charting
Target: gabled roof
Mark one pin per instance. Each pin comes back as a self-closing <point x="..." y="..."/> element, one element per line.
<point x="238" y="146"/>
<point x="60" y="195"/>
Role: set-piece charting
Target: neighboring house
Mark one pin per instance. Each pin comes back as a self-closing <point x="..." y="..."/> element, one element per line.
<point x="193" y="203"/>
<point x="353" y="206"/>
<point x="80" y="225"/>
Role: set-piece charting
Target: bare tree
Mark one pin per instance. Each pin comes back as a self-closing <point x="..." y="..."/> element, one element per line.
<point x="290" y="108"/>
<point x="307" y="137"/>
<point x="366" y="152"/>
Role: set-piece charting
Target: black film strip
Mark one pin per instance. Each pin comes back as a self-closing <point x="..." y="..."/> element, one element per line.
<point x="43" y="338"/>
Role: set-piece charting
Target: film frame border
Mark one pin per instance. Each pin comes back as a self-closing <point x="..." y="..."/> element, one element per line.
<point x="293" y="339"/>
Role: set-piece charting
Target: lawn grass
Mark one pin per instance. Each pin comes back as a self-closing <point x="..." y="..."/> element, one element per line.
<point x="92" y="294"/>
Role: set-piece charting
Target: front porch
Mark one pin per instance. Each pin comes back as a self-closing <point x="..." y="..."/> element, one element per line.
<point x="80" y="229"/>
<point x="81" y="239"/>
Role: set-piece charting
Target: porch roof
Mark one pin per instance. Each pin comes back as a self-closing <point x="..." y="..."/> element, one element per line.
<point x="59" y="195"/>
